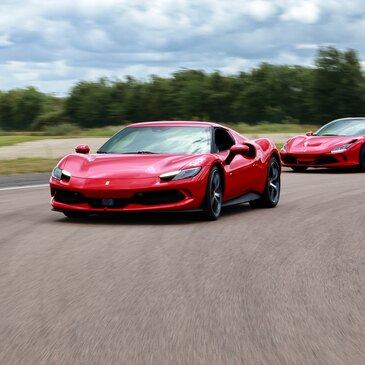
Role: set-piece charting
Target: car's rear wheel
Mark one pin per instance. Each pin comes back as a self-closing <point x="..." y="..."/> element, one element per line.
<point x="271" y="194"/>
<point x="213" y="195"/>
<point x="299" y="168"/>
<point x="362" y="158"/>
<point x="76" y="215"/>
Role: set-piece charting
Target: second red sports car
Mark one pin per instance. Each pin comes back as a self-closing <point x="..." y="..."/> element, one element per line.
<point x="168" y="166"/>
<point x="340" y="143"/>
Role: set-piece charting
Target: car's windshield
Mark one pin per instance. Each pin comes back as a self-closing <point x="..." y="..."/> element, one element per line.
<point x="160" y="139"/>
<point x="343" y="127"/>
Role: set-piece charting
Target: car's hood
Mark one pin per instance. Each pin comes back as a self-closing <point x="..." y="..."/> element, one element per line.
<point x="127" y="166"/>
<point x="317" y="143"/>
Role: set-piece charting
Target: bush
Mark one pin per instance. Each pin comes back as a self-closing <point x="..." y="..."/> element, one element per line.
<point x="64" y="129"/>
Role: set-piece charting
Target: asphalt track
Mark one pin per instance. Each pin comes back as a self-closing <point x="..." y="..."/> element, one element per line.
<point x="275" y="286"/>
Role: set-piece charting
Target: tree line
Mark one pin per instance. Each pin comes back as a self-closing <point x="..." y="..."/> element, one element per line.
<point x="333" y="88"/>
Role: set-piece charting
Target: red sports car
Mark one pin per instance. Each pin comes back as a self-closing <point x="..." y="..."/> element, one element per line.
<point x="168" y="166"/>
<point x="340" y="143"/>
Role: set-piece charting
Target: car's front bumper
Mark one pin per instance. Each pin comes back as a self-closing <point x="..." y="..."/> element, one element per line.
<point x="127" y="195"/>
<point x="341" y="159"/>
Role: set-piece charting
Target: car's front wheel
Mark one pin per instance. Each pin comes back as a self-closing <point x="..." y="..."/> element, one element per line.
<point x="362" y="158"/>
<point x="271" y="194"/>
<point x="213" y="196"/>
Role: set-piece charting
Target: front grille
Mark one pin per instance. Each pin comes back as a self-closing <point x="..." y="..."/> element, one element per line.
<point x="68" y="197"/>
<point x="158" y="197"/>
<point x="142" y="198"/>
<point x="116" y="203"/>
<point x="291" y="160"/>
<point x="324" y="160"/>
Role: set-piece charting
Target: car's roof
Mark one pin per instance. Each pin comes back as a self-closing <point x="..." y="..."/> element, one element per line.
<point x="175" y="123"/>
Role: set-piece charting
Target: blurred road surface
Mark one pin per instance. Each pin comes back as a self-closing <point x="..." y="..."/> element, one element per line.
<point x="276" y="286"/>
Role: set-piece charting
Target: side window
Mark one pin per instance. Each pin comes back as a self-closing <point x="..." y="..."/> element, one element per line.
<point x="223" y="140"/>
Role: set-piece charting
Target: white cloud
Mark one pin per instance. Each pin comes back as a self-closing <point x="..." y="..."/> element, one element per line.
<point x="303" y="12"/>
<point x="260" y="10"/>
<point x="73" y="40"/>
<point x="233" y="65"/>
<point x="307" y="46"/>
<point x="5" y="41"/>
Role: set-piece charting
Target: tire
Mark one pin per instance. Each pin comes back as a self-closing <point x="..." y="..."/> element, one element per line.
<point x="362" y="158"/>
<point x="76" y="215"/>
<point x="213" y="196"/>
<point x="271" y="194"/>
<point x="299" y="168"/>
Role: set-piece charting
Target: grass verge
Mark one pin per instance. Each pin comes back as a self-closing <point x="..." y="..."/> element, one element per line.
<point x="27" y="165"/>
<point x="9" y="140"/>
<point x="12" y="138"/>
<point x="277" y="128"/>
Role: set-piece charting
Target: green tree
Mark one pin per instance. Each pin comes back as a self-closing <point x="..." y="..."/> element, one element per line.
<point x="221" y="94"/>
<point x="160" y="101"/>
<point x="88" y="102"/>
<point x="190" y="94"/>
<point x="7" y="111"/>
<point x="19" y="108"/>
<point x="338" y="84"/>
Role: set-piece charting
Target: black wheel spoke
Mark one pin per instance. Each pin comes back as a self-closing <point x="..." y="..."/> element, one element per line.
<point x="216" y="182"/>
<point x="215" y="194"/>
<point x="274" y="182"/>
<point x="274" y="173"/>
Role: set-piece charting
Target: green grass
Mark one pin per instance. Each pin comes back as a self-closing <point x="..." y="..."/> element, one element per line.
<point x="9" y="140"/>
<point x="27" y="165"/>
<point x="64" y="131"/>
<point x="279" y="128"/>
<point x="12" y="138"/>
<point x="101" y="132"/>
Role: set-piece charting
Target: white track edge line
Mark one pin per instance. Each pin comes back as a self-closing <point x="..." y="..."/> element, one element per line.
<point x="24" y="187"/>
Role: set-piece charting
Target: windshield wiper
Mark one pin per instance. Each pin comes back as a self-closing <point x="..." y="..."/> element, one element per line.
<point x="101" y="151"/>
<point x="328" y="135"/>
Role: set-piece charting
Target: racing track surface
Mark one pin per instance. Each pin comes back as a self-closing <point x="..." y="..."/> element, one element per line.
<point x="277" y="286"/>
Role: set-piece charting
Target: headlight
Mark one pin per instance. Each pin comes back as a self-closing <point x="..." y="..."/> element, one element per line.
<point x="284" y="147"/>
<point x="180" y="174"/>
<point x="341" y="148"/>
<point x="57" y="173"/>
<point x="60" y="174"/>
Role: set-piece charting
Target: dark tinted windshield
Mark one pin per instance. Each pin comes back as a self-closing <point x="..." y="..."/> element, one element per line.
<point x="343" y="127"/>
<point x="157" y="139"/>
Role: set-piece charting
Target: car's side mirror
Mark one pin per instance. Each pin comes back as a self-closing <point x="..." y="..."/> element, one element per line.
<point x="237" y="149"/>
<point x="82" y="148"/>
<point x="309" y="134"/>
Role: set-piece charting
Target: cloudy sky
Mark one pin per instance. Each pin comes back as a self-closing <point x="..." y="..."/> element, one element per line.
<point x="53" y="44"/>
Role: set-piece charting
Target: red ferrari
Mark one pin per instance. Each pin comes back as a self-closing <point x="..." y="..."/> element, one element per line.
<point x="168" y="166"/>
<point x="340" y="143"/>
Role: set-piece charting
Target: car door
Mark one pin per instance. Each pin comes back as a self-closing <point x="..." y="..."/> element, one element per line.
<point x="240" y="173"/>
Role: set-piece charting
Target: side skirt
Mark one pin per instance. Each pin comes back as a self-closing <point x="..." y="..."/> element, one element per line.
<point x="245" y="198"/>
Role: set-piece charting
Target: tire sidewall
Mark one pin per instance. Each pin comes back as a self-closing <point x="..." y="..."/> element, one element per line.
<point x="273" y="162"/>
<point x="362" y="158"/>
<point x="209" y="213"/>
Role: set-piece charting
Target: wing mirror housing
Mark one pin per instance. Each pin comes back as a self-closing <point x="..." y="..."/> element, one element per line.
<point x="309" y="134"/>
<point x="82" y="148"/>
<point x="239" y="149"/>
